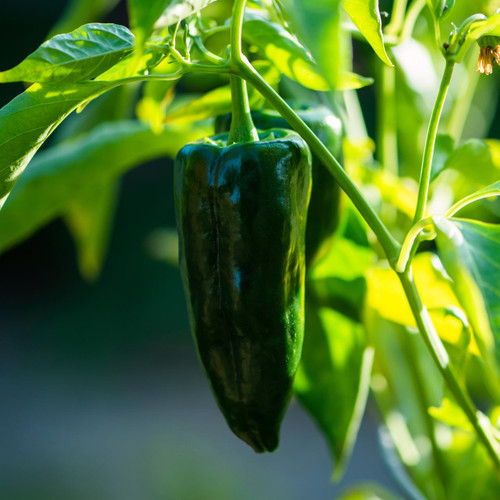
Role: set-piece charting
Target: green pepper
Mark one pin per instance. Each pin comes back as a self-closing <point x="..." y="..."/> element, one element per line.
<point x="241" y="216"/>
<point x="323" y="214"/>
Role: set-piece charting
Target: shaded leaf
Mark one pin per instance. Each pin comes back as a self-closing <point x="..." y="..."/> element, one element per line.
<point x="487" y="192"/>
<point x="90" y="219"/>
<point x="365" y="14"/>
<point x="332" y="382"/>
<point x="78" y="12"/>
<point x="27" y="121"/>
<point x="443" y="149"/>
<point x="469" y="251"/>
<point x="74" y="169"/>
<point x="367" y="492"/>
<point x="478" y="161"/>
<point x="82" y="54"/>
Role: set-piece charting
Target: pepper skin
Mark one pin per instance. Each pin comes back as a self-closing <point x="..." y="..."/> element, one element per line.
<point x="241" y="216"/>
<point x="324" y="209"/>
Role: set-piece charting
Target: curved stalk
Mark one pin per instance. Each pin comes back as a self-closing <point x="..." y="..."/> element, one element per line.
<point x="430" y="142"/>
<point x="441" y="359"/>
<point x="407" y="248"/>
<point x="389" y="244"/>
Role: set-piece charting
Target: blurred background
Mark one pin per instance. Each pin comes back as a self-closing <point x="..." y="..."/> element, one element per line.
<point x="102" y="394"/>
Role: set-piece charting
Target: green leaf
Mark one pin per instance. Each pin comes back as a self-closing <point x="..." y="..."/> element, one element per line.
<point x="478" y="163"/>
<point x="345" y="260"/>
<point x="76" y="168"/>
<point x="477" y="29"/>
<point x="318" y="26"/>
<point x="27" y="121"/>
<point x="332" y="382"/>
<point x="156" y="14"/>
<point x="82" y="54"/>
<point x="469" y="251"/>
<point x="365" y="14"/>
<point x="487" y="192"/>
<point x="348" y="80"/>
<point x="451" y="414"/>
<point x="178" y="10"/>
<point x="218" y="101"/>
<point x="155" y="100"/>
<point x="440" y="8"/>
<point x="367" y="492"/>
<point x="143" y="16"/>
<point x="443" y="149"/>
<point x="78" y="12"/>
<point x="284" y="50"/>
<point x="89" y="220"/>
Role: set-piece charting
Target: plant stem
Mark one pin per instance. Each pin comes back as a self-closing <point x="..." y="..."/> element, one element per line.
<point x="397" y="17"/>
<point x="430" y="142"/>
<point x="242" y="127"/>
<point x="389" y="244"/>
<point x="463" y="100"/>
<point x="418" y="378"/>
<point x="386" y="128"/>
<point x="440" y="357"/>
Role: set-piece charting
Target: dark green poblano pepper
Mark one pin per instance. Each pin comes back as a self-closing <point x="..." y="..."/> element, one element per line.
<point x="241" y="217"/>
<point x="323" y="214"/>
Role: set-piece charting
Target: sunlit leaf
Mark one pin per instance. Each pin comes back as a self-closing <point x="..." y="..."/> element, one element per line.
<point x="451" y="414"/>
<point x="82" y="54"/>
<point x="348" y="80"/>
<point x="365" y="14"/>
<point x="333" y="378"/>
<point x="385" y="295"/>
<point x="318" y="26"/>
<point x="218" y="101"/>
<point x="177" y="10"/>
<point x="281" y="48"/>
<point x="74" y="169"/>
<point x="27" y="121"/>
<point x="154" y="102"/>
<point x="440" y="8"/>
<point x="469" y="251"/>
<point x="143" y="16"/>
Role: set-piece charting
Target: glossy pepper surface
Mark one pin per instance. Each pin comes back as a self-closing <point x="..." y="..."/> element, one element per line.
<point x="241" y="217"/>
<point x="323" y="214"/>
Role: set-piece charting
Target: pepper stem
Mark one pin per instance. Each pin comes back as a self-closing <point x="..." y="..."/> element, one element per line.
<point x="242" y="127"/>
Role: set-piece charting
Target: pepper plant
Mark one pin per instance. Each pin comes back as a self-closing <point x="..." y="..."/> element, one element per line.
<point x="405" y="301"/>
